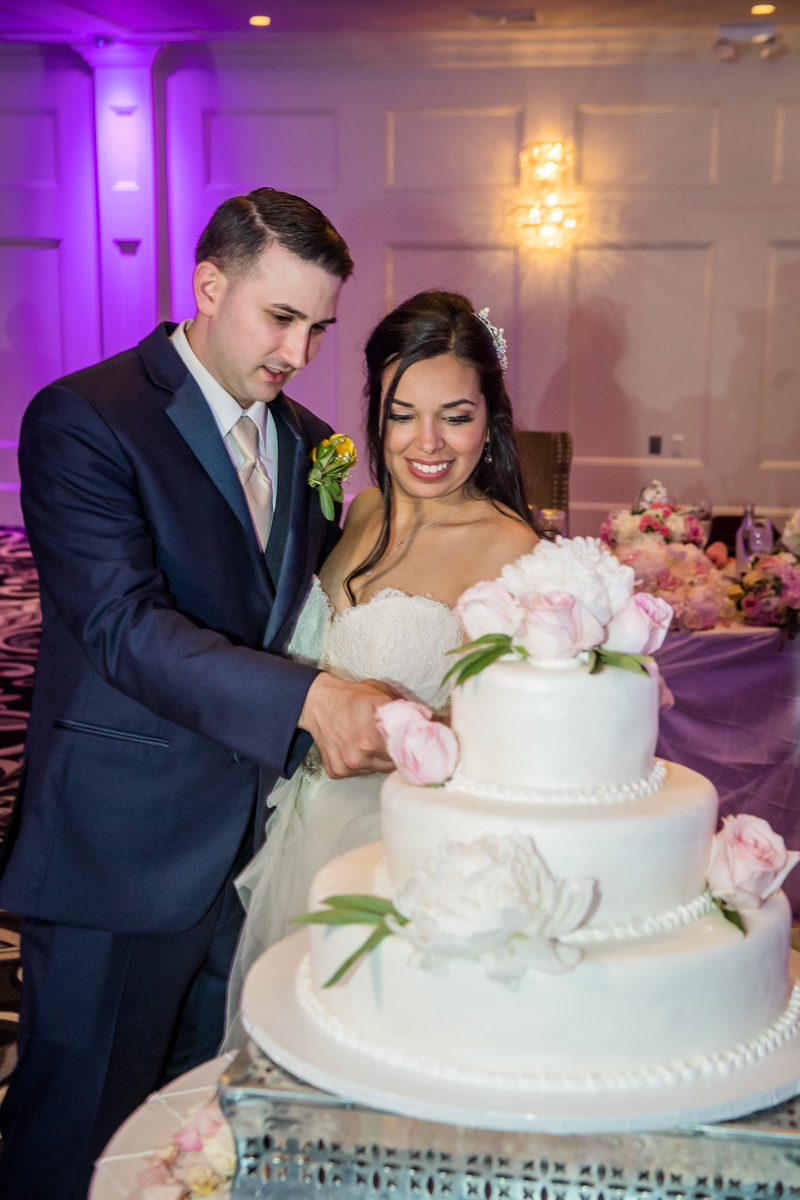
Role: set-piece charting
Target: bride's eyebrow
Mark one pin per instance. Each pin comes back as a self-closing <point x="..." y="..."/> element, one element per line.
<point x="455" y="403"/>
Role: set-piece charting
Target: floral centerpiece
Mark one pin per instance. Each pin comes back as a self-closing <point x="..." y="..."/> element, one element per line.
<point x="652" y="518"/>
<point x="685" y="578"/>
<point x="769" y="592"/>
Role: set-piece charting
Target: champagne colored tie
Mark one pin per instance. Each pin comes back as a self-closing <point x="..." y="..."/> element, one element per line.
<point x="255" y="481"/>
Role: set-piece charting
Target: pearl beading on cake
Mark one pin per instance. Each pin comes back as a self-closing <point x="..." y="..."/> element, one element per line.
<point x="720" y="1063"/>
<point x="612" y="793"/>
<point x="638" y="927"/>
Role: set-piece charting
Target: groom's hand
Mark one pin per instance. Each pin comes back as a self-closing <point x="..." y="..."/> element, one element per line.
<point x="340" y="716"/>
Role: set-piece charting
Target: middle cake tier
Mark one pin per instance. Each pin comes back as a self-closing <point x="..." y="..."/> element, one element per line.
<point x="648" y="855"/>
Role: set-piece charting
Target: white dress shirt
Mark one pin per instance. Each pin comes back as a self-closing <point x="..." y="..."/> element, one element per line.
<point x="228" y="411"/>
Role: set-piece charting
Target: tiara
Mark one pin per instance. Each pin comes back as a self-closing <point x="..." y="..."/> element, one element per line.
<point x="499" y="342"/>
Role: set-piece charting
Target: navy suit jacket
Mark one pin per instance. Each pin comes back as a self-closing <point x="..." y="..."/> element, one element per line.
<point x="162" y="690"/>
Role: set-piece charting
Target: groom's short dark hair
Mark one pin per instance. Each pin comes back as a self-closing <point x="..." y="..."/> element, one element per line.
<point x="243" y="226"/>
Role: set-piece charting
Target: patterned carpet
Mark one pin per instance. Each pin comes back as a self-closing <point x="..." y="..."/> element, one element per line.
<point x="20" y="622"/>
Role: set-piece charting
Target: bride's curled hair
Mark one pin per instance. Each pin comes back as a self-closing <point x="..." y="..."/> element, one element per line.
<point x="426" y="326"/>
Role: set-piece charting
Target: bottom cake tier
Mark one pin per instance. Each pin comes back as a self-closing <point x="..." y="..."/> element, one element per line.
<point x="701" y="998"/>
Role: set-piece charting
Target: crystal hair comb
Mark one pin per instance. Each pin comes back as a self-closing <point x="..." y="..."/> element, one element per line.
<point x="500" y="343"/>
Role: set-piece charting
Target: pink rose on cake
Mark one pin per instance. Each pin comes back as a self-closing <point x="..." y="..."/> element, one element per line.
<point x="423" y="750"/>
<point x="748" y="861"/>
<point x="488" y="607"/>
<point x="558" y="625"/>
<point x="640" y="627"/>
<point x="493" y="899"/>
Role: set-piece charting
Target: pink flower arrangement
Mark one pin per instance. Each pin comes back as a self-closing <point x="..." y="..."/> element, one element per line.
<point x="660" y="522"/>
<point x="769" y="593"/>
<point x="748" y="862"/>
<point x="685" y="578"/>
<point x="569" y="599"/>
<point x="423" y="750"/>
<point x="200" y="1161"/>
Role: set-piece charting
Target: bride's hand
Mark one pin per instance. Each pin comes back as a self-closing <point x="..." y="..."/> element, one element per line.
<point x="340" y="716"/>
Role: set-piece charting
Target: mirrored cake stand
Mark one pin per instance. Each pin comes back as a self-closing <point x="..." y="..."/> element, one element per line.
<point x="294" y="1141"/>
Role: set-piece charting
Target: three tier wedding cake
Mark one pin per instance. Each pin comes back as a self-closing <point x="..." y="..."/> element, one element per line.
<point x="551" y="907"/>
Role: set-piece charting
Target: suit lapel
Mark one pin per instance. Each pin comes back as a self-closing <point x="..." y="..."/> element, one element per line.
<point x="189" y="412"/>
<point x="287" y="548"/>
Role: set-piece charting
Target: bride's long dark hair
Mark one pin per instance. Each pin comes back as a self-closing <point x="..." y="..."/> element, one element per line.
<point x="426" y="326"/>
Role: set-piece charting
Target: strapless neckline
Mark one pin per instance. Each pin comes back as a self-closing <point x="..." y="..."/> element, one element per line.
<point x="336" y="614"/>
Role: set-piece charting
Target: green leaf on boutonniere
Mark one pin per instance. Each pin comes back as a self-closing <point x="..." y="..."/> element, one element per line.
<point x="729" y="913"/>
<point x="355" y="910"/>
<point x="326" y="504"/>
<point x="616" y="658"/>
<point x="480" y="654"/>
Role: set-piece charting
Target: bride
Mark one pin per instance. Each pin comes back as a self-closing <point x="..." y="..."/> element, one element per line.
<point x="447" y="512"/>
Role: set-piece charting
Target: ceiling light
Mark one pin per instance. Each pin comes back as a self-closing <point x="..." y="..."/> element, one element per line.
<point x="504" y="16"/>
<point x="261" y="21"/>
<point x="762" y="10"/>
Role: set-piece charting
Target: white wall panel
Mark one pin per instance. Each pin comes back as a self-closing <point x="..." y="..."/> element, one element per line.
<point x="780" y="407"/>
<point x="30" y="326"/>
<point x="452" y="148"/>
<point x="640" y="350"/>
<point x="652" y="146"/>
<point x="28" y="139"/>
<point x="487" y="275"/>
<point x="786" y="165"/>
<point x="296" y="151"/>
<point x="49" y="304"/>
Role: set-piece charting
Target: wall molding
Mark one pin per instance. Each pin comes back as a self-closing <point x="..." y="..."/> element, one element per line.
<point x="479" y="48"/>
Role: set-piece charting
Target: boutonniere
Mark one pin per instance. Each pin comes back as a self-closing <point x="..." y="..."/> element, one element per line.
<point x="333" y="459"/>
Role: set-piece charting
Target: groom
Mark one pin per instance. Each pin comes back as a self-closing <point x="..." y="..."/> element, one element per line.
<point x="166" y="499"/>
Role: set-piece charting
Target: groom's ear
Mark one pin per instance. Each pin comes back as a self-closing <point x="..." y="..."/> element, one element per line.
<point x="210" y="285"/>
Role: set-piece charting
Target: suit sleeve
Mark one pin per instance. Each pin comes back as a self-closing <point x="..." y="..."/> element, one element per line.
<point x="96" y="563"/>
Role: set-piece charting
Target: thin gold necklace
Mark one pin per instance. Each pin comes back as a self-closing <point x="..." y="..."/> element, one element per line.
<point x="404" y="541"/>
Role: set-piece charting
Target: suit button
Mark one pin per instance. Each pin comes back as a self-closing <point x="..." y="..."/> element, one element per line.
<point x="237" y="757"/>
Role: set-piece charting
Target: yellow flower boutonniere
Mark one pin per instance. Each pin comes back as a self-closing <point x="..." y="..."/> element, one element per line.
<point x="333" y="460"/>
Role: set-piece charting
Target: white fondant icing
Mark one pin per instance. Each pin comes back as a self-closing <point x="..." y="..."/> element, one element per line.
<point x="628" y="1008"/>
<point x="647" y="857"/>
<point x="741" y="1055"/>
<point x="521" y="725"/>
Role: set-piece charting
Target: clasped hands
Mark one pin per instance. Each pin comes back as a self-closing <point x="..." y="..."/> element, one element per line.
<point x="340" y="716"/>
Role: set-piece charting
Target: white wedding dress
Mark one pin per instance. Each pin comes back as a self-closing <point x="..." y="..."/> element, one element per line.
<point x="401" y="639"/>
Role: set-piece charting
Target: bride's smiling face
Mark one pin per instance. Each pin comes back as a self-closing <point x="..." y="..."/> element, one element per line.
<point x="437" y="427"/>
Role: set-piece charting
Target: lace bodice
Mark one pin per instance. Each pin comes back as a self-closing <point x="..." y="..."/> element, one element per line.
<point x="401" y="639"/>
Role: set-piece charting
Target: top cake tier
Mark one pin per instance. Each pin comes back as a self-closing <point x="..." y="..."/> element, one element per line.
<point x="525" y="725"/>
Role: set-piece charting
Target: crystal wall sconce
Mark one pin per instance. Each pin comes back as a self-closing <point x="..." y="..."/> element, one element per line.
<point x="548" y="217"/>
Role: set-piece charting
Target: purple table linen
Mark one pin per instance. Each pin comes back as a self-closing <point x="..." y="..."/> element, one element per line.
<point x="736" y="720"/>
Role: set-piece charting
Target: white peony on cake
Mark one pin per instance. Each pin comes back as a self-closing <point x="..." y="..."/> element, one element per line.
<point x="557" y="913"/>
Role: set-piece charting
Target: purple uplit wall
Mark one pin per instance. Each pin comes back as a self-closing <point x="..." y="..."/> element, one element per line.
<point x="125" y="171"/>
<point x="674" y="315"/>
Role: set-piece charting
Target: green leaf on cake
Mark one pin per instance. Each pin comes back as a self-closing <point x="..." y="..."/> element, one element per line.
<point x="615" y="658"/>
<point x="376" y="904"/>
<point x="480" y="654"/>
<point x="355" y="910"/>
<point x="373" y="941"/>
<point x="729" y="913"/>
